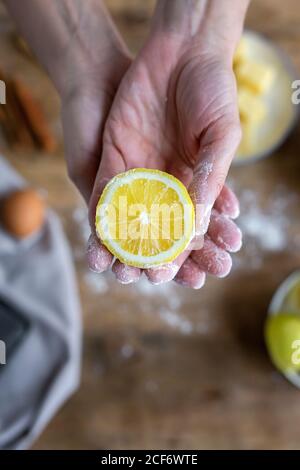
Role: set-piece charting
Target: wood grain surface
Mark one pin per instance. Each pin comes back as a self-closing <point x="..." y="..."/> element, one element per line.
<point x="166" y="367"/>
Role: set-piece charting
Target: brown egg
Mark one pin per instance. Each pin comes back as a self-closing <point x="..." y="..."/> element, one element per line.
<point x="22" y="213"/>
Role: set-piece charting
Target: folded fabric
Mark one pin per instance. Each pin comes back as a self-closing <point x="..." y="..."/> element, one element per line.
<point x="37" y="279"/>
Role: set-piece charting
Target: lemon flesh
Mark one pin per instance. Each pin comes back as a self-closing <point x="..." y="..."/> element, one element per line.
<point x="145" y="217"/>
<point x="282" y="336"/>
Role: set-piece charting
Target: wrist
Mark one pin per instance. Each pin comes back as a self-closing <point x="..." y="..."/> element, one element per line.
<point x="214" y="26"/>
<point x="98" y="70"/>
<point x="69" y="38"/>
<point x="93" y="52"/>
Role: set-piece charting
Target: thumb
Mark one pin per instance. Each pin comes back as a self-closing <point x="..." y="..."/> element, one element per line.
<point x="111" y="164"/>
<point x="98" y="257"/>
<point x="218" y="145"/>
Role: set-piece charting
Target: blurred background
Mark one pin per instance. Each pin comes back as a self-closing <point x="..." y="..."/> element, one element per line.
<point x="164" y="367"/>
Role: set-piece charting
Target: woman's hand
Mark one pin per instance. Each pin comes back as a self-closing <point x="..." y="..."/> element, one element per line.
<point x="86" y="59"/>
<point x="85" y="108"/>
<point x="176" y="110"/>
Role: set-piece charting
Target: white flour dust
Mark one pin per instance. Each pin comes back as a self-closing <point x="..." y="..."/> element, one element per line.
<point x="98" y="283"/>
<point x="80" y="217"/>
<point x="176" y="321"/>
<point x="170" y="302"/>
<point x="267" y="229"/>
<point x="163" y="302"/>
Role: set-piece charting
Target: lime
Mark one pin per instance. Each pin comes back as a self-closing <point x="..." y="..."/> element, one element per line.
<point x="291" y="302"/>
<point x="282" y="336"/>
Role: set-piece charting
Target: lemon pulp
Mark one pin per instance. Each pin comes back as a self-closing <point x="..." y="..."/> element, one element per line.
<point x="145" y="217"/>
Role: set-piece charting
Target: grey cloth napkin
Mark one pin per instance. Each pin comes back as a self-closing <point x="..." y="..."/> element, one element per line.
<point x="37" y="278"/>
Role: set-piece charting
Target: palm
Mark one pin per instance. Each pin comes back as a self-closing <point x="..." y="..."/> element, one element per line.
<point x="169" y="107"/>
<point x="162" y="113"/>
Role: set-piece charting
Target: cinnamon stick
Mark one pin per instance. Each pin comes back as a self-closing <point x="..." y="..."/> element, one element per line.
<point x="22" y="118"/>
<point x="34" y="117"/>
<point x="12" y="119"/>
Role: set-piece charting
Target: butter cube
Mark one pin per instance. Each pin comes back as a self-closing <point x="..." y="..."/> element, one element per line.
<point x="257" y="77"/>
<point x="251" y="107"/>
<point x="240" y="53"/>
<point x="248" y="139"/>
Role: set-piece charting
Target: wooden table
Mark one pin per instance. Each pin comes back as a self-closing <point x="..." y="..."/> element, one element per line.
<point x="166" y="367"/>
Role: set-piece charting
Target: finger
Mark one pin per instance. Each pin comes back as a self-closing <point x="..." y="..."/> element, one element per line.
<point x="217" y="148"/>
<point x="99" y="258"/>
<point x="224" y="232"/>
<point x="81" y="139"/>
<point x="111" y="164"/>
<point x="162" y="274"/>
<point x="212" y="259"/>
<point x="126" y="274"/>
<point x="166" y="272"/>
<point x="227" y="203"/>
<point x="196" y="243"/>
<point x="106" y="171"/>
<point x="190" y="275"/>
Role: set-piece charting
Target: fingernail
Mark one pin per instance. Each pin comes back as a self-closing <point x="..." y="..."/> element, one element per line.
<point x="226" y="271"/>
<point x="239" y="243"/>
<point x="126" y="274"/>
<point x="197" y="243"/>
<point x="161" y="274"/>
<point x="195" y="286"/>
<point x="203" y="214"/>
<point x="181" y="282"/>
<point x="190" y="276"/>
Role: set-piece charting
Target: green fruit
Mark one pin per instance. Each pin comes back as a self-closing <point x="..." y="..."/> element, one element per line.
<point x="282" y="336"/>
<point x="291" y="302"/>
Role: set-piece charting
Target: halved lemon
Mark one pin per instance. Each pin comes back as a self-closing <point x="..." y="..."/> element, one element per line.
<point x="145" y="217"/>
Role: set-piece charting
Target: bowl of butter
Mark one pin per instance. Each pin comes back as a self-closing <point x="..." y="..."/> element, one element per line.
<point x="264" y="76"/>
